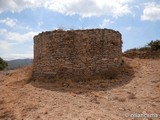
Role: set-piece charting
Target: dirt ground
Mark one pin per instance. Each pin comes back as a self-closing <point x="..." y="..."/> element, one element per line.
<point x="136" y="90"/>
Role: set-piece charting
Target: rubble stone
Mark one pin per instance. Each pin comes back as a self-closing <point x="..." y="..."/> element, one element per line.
<point x="77" y="53"/>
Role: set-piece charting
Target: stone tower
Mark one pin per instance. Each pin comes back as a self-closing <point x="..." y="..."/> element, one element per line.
<point x="77" y="53"/>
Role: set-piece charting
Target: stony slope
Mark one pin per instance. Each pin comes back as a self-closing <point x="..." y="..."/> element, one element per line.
<point x="136" y="90"/>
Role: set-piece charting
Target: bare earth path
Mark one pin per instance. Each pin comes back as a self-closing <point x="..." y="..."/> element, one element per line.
<point x="93" y="100"/>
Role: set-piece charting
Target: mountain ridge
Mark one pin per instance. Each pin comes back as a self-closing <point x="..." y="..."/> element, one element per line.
<point x="16" y="63"/>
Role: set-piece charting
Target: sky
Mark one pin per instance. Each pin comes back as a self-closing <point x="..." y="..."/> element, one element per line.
<point x="20" y="20"/>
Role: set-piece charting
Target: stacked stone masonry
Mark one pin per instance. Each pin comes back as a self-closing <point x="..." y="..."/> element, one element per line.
<point x="77" y="53"/>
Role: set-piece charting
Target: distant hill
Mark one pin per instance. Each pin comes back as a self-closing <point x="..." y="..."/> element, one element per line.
<point x="13" y="64"/>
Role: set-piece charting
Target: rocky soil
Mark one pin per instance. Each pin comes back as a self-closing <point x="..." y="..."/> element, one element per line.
<point x="135" y="90"/>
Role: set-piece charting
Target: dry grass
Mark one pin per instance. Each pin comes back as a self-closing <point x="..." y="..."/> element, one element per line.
<point x="135" y="90"/>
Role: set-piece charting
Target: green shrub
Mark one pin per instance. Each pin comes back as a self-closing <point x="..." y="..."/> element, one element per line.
<point x="144" y="48"/>
<point x="3" y="64"/>
<point x="154" y="45"/>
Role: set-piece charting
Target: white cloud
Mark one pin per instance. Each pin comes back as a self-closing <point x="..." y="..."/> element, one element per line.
<point x="11" y="56"/>
<point x="2" y="31"/>
<point x="128" y="28"/>
<point x="17" y="37"/>
<point x="18" y="5"/>
<point x="84" y="8"/>
<point x="13" y="36"/>
<point x="105" y="23"/>
<point x="88" y="8"/>
<point x="14" y="23"/>
<point x="40" y="23"/>
<point x="151" y="12"/>
<point x="9" y="22"/>
<point x="17" y="56"/>
<point x="11" y="44"/>
<point x="5" y="45"/>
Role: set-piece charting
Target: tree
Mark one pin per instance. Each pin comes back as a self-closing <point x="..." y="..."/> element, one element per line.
<point x="3" y="64"/>
<point x="154" y="45"/>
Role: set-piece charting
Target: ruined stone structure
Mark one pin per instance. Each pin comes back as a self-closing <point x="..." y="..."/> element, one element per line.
<point x="77" y="53"/>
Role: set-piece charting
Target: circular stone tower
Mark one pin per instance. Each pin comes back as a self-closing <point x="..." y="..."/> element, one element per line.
<point x="77" y="54"/>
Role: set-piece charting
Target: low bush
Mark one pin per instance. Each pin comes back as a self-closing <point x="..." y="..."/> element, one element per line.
<point x="154" y="45"/>
<point x="3" y="64"/>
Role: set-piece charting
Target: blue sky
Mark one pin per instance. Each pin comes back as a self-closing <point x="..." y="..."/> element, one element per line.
<point x="137" y="20"/>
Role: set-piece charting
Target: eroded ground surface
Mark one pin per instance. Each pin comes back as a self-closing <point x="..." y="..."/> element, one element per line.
<point x="136" y="90"/>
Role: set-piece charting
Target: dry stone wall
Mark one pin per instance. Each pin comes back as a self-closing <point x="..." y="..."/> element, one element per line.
<point x="77" y="53"/>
